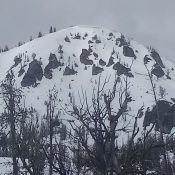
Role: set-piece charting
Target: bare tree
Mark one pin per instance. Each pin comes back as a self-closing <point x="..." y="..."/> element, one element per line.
<point x="50" y="116"/>
<point x="157" y="120"/>
<point x="12" y="111"/>
<point x="57" y="155"/>
<point x="100" y="120"/>
<point x="30" y="142"/>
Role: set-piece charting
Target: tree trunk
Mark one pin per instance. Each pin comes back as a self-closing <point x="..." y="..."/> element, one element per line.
<point x="13" y="140"/>
<point x="51" y="144"/>
<point x="113" y="166"/>
<point x="13" y="131"/>
<point x="51" y="154"/>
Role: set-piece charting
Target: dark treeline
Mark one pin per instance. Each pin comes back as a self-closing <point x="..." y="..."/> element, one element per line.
<point x="20" y="43"/>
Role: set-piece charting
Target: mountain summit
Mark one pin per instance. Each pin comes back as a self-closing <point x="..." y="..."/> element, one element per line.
<point x="86" y="100"/>
<point x="73" y="59"/>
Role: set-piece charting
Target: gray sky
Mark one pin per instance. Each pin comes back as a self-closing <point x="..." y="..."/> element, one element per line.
<point x="151" y="22"/>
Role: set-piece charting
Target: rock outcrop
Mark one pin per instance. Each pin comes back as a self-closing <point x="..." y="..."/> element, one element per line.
<point x="84" y="57"/>
<point x="34" y="74"/>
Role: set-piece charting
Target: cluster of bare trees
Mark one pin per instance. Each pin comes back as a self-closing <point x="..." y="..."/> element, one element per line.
<point x="87" y="140"/>
<point x="5" y="49"/>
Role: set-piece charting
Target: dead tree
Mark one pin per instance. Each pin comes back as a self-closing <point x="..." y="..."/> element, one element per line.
<point x="100" y="120"/>
<point x="12" y="111"/>
<point x="30" y="142"/>
<point x="57" y="154"/>
<point x="158" y="122"/>
<point x="50" y="116"/>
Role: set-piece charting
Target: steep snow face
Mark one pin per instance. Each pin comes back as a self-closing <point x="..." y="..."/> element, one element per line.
<point x="73" y="59"/>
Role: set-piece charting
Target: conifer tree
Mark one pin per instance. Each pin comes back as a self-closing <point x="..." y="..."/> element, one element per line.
<point x="12" y="111"/>
<point x="54" y="29"/>
<point x="40" y="35"/>
<point x="51" y="30"/>
<point x="6" y="48"/>
<point x="31" y="38"/>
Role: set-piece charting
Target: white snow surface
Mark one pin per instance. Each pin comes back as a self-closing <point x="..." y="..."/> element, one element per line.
<point x="5" y="165"/>
<point x="139" y="85"/>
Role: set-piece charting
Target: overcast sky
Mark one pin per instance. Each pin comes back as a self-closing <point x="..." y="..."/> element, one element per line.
<point x="151" y="22"/>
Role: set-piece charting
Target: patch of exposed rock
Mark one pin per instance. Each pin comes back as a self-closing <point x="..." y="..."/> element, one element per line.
<point x="69" y="71"/>
<point x="128" y="52"/>
<point x="165" y="119"/>
<point x="53" y="64"/>
<point x="102" y="62"/>
<point x="110" y="62"/>
<point x="146" y="59"/>
<point x="17" y="60"/>
<point x="96" y="70"/>
<point x="158" y="71"/>
<point x="34" y="74"/>
<point x="84" y="57"/>
<point x="157" y="58"/>
<point x="121" y="69"/>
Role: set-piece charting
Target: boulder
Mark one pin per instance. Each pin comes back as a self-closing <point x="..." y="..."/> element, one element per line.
<point x="110" y="62"/>
<point x="95" y="55"/>
<point x="146" y="59"/>
<point x="158" y="71"/>
<point x="17" y="60"/>
<point x="164" y="119"/>
<point x="33" y="74"/>
<point x="69" y="71"/>
<point x="53" y="64"/>
<point x="121" y="69"/>
<point x="121" y="41"/>
<point x="48" y="73"/>
<point x="84" y="57"/>
<point x="102" y="63"/>
<point x="157" y="58"/>
<point x="21" y="71"/>
<point x="96" y="70"/>
<point x="128" y="52"/>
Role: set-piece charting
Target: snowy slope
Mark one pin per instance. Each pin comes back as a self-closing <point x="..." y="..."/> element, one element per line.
<point x="6" y="166"/>
<point x="83" y="48"/>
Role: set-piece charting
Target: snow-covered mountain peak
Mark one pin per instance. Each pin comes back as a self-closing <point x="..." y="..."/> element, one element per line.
<point x="73" y="59"/>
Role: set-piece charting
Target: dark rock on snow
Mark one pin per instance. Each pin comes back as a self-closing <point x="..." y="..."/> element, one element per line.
<point x="157" y="71"/>
<point x="128" y="52"/>
<point x="121" y="41"/>
<point x="96" y="70"/>
<point x="157" y="58"/>
<point x="102" y="63"/>
<point x="33" y="74"/>
<point x="146" y="59"/>
<point x="17" y="60"/>
<point x="166" y="117"/>
<point x="110" y="62"/>
<point x="21" y="71"/>
<point x="84" y="57"/>
<point x="69" y="71"/>
<point x="121" y="69"/>
<point x="53" y="64"/>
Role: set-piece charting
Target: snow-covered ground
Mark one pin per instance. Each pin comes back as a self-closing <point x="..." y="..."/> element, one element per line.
<point x="42" y="47"/>
<point x="103" y="45"/>
<point x="5" y="165"/>
<point x="140" y="87"/>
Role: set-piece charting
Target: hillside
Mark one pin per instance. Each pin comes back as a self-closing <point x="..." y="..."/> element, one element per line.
<point x="72" y="60"/>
